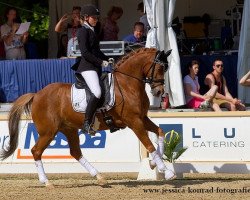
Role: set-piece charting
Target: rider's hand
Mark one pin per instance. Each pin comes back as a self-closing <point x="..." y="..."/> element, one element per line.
<point x="111" y="60"/>
<point x="105" y="63"/>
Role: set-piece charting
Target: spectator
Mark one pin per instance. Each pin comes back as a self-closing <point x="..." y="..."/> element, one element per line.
<point x="70" y="28"/>
<point x="137" y="36"/>
<point x="223" y="97"/>
<point x="2" y="51"/>
<point x="143" y="17"/>
<point x="110" y="28"/>
<point x="245" y="80"/>
<point x="62" y="50"/>
<point x="13" y="43"/>
<point x="191" y="88"/>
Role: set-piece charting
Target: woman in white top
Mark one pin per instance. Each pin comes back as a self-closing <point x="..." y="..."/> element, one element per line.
<point x="191" y="88"/>
<point x="13" y="43"/>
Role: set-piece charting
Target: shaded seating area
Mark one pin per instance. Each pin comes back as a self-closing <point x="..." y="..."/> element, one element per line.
<point x="18" y="77"/>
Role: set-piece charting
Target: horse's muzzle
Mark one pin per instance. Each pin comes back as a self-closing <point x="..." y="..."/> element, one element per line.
<point x="158" y="91"/>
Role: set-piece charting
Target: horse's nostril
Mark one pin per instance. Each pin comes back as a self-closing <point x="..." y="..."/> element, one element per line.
<point x="158" y="93"/>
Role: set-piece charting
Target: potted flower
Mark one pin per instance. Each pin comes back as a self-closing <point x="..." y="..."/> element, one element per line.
<point x="172" y="148"/>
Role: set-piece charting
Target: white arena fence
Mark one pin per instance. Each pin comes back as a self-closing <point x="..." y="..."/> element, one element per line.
<point x="217" y="143"/>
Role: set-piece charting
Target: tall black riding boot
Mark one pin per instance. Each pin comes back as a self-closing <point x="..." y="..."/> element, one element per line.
<point x="90" y="111"/>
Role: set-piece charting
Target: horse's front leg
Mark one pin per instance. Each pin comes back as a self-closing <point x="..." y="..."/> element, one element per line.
<point x="150" y="126"/>
<point x="140" y="130"/>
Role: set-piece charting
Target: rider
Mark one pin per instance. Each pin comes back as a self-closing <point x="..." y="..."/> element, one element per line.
<point x="92" y="61"/>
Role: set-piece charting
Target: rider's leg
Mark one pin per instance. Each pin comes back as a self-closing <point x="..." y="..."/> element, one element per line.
<point x="92" y="80"/>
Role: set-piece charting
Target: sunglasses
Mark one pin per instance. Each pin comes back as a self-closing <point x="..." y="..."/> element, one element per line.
<point x="219" y="65"/>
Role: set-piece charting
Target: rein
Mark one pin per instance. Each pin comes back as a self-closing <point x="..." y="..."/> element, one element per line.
<point x="147" y="80"/>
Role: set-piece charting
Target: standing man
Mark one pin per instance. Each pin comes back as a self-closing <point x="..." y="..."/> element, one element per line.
<point x="223" y="97"/>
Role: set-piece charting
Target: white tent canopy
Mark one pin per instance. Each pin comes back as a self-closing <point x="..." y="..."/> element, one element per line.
<point x="161" y="36"/>
<point x="243" y="55"/>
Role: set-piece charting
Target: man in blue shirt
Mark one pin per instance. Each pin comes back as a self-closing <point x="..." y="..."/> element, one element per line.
<point x="137" y="36"/>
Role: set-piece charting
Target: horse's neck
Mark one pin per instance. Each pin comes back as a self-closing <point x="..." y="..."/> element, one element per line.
<point x="134" y="66"/>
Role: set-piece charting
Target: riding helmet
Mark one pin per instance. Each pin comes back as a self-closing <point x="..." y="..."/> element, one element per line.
<point x="90" y="10"/>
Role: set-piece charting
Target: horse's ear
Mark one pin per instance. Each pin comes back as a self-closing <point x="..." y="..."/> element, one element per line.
<point x="168" y="52"/>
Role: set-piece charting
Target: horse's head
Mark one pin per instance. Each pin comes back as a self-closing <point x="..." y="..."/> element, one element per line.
<point x="155" y="70"/>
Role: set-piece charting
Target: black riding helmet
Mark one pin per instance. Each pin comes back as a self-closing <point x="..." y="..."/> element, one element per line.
<point x="90" y="10"/>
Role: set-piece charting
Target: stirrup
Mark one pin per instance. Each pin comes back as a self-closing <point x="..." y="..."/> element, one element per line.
<point x="109" y="121"/>
<point x="88" y="129"/>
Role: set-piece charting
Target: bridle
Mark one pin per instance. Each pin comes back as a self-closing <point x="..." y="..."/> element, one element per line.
<point x="161" y="59"/>
<point x="157" y="60"/>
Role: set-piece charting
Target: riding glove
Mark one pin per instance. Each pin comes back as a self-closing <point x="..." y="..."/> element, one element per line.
<point x="105" y="63"/>
<point x="111" y="60"/>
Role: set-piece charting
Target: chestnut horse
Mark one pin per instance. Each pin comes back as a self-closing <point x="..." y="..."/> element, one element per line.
<point x="51" y="111"/>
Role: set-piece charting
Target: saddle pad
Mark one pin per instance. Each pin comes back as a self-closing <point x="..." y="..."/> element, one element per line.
<point x="79" y="97"/>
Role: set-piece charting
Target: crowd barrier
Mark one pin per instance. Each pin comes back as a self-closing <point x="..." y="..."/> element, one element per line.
<point x="216" y="142"/>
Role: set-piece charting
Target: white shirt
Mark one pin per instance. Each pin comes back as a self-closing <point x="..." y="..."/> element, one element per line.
<point x="16" y="49"/>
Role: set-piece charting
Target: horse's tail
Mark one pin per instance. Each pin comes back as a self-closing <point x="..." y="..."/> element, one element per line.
<point x="22" y="104"/>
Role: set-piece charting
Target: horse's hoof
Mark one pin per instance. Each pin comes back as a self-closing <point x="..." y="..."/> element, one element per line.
<point x="101" y="180"/>
<point x="151" y="165"/>
<point x="49" y="185"/>
<point x="169" y="175"/>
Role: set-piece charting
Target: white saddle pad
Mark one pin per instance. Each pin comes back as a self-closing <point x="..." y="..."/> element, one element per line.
<point x="79" y="98"/>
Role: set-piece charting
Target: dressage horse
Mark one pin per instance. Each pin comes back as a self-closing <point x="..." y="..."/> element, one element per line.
<point x="52" y="111"/>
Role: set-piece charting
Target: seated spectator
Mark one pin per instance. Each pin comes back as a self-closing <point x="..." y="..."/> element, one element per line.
<point x="191" y="88"/>
<point x="223" y="97"/>
<point x="137" y="36"/>
<point x="245" y="80"/>
<point x="109" y="27"/>
<point x="13" y="43"/>
<point x="70" y="28"/>
<point x="143" y="17"/>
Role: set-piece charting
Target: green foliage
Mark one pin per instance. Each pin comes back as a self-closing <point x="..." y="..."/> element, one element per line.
<point x="39" y="22"/>
<point x="172" y="148"/>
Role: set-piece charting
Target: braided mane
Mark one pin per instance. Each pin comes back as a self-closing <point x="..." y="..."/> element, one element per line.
<point x="132" y="53"/>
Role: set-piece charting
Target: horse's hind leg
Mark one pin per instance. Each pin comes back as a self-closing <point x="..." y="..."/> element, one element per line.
<point x="75" y="151"/>
<point x="37" y="151"/>
<point x="140" y="130"/>
<point x="150" y="126"/>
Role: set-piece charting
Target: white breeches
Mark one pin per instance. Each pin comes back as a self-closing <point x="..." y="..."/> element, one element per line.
<point x="92" y="80"/>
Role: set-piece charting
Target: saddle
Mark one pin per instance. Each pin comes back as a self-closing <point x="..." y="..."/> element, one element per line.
<point x="81" y="94"/>
<point x="105" y="88"/>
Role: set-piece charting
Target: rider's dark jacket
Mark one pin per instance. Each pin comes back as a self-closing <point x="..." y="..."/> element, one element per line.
<point x="92" y="56"/>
